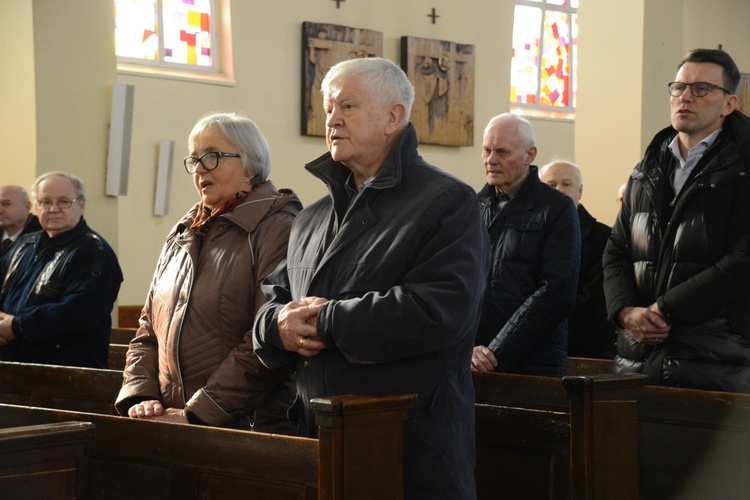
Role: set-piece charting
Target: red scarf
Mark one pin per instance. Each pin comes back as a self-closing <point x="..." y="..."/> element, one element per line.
<point x="206" y="216"/>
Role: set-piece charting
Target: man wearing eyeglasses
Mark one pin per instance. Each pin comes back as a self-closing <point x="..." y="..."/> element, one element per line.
<point x="677" y="266"/>
<point x="58" y="284"/>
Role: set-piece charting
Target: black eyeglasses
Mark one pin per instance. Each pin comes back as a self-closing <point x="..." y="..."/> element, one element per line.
<point x="61" y="204"/>
<point x="698" y="89"/>
<point x="209" y="160"/>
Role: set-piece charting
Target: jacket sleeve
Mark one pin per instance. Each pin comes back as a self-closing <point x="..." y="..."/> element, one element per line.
<point x="266" y="339"/>
<point x="241" y="383"/>
<point x="431" y="305"/>
<point x="719" y="287"/>
<point x="553" y="300"/>
<point x="620" y="289"/>
<point x="141" y="373"/>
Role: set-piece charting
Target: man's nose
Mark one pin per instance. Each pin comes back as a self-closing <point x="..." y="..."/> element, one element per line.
<point x="333" y="118"/>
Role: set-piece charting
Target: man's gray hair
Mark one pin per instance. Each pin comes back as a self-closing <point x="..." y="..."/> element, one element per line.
<point x="525" y="130"/>
<point x="77" y="184"/>
<point x="382" y="79"/>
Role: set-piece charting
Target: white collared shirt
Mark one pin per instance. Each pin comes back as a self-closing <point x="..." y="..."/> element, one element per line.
<point x="693" y="156"/>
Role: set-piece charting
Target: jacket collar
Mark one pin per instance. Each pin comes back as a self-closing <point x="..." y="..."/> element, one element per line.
<point x="61" y="239"/>
<point x="736" y="128"/>
<point x="335" y="174"/>
<point x="261" y="202"/>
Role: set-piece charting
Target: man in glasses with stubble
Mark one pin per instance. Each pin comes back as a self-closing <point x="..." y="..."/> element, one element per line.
<point x="677" y="266"/>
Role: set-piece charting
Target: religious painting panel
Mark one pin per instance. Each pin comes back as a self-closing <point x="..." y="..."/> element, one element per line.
<point x="443" y="77"/>
<point x="324" y="45"/>
<point x="743" y="94"/>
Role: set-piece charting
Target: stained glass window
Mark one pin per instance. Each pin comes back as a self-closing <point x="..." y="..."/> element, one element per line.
<point x="543" y="64"/>
<point x="166" y="33"/>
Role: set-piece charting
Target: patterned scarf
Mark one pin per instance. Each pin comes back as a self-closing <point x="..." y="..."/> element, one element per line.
<point x="206" y="216"/>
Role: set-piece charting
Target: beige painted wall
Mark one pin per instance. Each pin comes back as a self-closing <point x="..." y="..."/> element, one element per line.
<point x="267" y="52"/>
<point x="628" y="52"/>
<point x="57" y="108"/>
<point x="17" y="105"/>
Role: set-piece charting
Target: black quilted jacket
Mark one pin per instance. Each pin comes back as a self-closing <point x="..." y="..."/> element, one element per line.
<point x="691" y="255"/>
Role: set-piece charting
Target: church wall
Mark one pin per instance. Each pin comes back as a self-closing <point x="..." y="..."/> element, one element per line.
<point x="62" y="69"/>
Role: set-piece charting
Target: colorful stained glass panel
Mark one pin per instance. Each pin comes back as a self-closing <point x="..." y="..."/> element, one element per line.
<point x="187" y="31"/>
<point x="524" y="77"/>
<point x="555" y="67"/>
<point x="544" y="51"/>
<point x="165" y="31"/>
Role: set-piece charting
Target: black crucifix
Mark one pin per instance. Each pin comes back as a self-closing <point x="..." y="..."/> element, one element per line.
<point x="434" y="15"/>
<point x="338" y="3"/>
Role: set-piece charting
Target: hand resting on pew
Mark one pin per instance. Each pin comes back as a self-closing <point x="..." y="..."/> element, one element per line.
<point x="154" y="410"/>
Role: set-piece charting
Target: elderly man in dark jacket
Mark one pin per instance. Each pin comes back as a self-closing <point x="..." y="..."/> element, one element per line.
<point x="382" y="285"/>
<point x="590" y="333"/>
<point x="60" y="284"/>
<point x="677" y="266"/>
<point x="536" y="250"/>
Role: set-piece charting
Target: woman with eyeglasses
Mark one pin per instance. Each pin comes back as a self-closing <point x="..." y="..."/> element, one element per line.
<point x="192" y="358"/>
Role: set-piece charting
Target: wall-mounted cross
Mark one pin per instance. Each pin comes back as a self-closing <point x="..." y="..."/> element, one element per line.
<point x="434" y="15"/>
<point x="338" y="3"/>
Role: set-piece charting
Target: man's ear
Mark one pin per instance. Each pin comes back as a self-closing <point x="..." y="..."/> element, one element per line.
<point x="530" y="155"/>
<point x="396" y="115"/>
<point x="730" y="105"/>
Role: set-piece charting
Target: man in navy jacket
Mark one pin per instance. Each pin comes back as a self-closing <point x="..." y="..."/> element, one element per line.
<point x="382" y="284"/>
<point x="536" y="249"/>
<point x="59" y="284"/>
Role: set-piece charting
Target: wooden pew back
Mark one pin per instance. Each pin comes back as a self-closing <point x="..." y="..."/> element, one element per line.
<point x="64" y="387"/>
<point x="122" y="335"/>
<point x="146" y="459"/>
<point x="692" y="444"/>
<point x="543" y="437"/>
<point x="40" y="461"/>
<point x="118" y="355"/>
<point x="129" y="316"/>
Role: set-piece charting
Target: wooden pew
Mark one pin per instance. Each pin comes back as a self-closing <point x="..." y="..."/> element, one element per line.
<point x="40" y="461"/>
<point x="120" y="335"/>
<point x="692" y="444"/>
<point x="588" y="366"/>
<point x="129" y="316"/>
<point x="63" y="387"/>
<point x="541" y="437"/>
<point x="118" y="354"/>
<point x="358" y="455"/>
<point x="118" y="346"/>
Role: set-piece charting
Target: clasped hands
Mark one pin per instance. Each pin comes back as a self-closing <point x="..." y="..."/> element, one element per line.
<point x="297" y="326"/>
<point x="154" y="410"/>
<point x="646" y="324"/>
<point x="6" y="328"/>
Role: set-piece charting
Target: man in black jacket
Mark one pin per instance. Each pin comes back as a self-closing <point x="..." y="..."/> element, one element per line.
<point x="15" y="219"/>
<point x="535" y="248"/>
<point x="382" y="284"/>
<point x="59" y="284"/>
<point x="590" y="333"/>
<point x="677" y="266"/>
